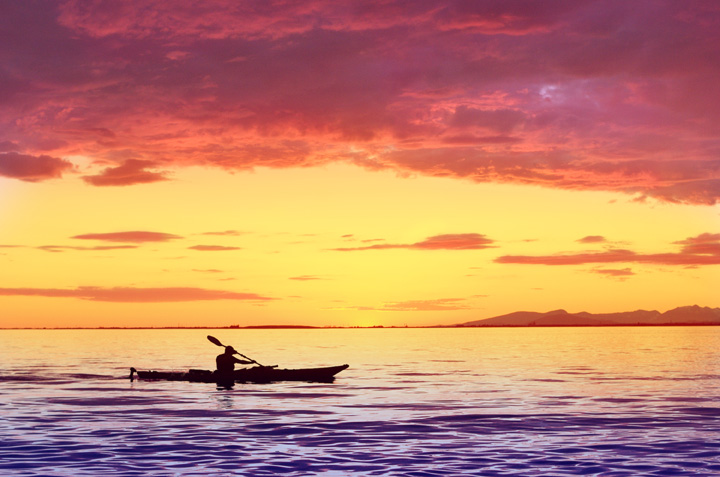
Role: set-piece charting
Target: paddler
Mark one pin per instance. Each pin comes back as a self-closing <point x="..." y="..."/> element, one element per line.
<point x="226" y="361"/>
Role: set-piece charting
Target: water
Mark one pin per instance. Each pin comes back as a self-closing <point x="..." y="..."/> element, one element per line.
<point x="415" y="402"/>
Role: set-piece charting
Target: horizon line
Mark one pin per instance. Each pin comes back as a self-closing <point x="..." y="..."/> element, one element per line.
<point x="303" y="327"/>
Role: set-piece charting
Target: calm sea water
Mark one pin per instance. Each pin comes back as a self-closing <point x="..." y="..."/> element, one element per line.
<point x="415" y="402"/>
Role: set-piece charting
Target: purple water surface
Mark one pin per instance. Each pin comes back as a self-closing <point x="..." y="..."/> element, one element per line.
<point x="489" y="410"/>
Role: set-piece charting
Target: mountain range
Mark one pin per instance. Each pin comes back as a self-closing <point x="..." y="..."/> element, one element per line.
<point x="691" y="315"/>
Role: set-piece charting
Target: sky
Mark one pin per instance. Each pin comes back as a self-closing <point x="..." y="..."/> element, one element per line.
<point x="355" y="163"/>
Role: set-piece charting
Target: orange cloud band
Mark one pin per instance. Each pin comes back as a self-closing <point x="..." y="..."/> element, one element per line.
<point x="134" y="295"/>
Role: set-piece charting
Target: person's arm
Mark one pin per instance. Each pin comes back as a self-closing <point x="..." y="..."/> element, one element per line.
<point x="241" y="361"/>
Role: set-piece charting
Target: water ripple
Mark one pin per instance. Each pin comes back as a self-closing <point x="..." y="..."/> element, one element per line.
<point x="167" y="442"/>
<point x="498" y="414"/>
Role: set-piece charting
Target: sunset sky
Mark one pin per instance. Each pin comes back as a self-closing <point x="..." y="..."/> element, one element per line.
<point x="355" y="163"/>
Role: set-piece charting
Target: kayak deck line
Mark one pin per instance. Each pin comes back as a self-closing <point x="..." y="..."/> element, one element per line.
<point x="258" y="374"/>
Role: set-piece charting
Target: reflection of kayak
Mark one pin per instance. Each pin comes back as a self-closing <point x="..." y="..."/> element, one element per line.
<point x="259" y="374"/>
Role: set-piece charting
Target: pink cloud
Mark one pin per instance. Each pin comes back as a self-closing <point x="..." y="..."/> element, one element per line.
<point x="701" y="239"/>
<point x="134" y="295"/>
<point x="8" y="146"/>
<point x="497" y="120"/>
<point x="30" y="168"/>
<point x="469" y="241"/>
<point x="62" y="248"/>
<point x="131" y="172"/>
<point x="577" y="95"/>
<point x="625" y="272"/>
<point x="470" y="140"/>
<point x="592" y="239"/>
<point x="213" y="248"/>
<point x="133" y="237"/>
<point x="701" y="250"/>
<point x="454" y="242"/>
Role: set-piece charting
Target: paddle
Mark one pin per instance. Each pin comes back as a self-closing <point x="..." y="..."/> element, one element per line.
<point x="217" y="342"/>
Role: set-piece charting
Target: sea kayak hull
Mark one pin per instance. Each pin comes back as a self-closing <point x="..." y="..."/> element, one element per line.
<point x="259" y="374"/>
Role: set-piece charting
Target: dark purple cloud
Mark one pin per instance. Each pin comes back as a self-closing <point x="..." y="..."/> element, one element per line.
<point x="575" y="94"/>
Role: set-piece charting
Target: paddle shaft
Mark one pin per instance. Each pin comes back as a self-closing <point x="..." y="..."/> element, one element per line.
<point x="217" y="342"/>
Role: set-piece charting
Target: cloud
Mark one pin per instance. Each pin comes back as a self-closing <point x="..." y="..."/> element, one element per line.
<point x="592" y="239"/>
<point x="454" y="242"/>
<point x="578" y="95"/>
<point x="702" y="244"/>
<point x="306" y="278"/>
<point x="133" y="237"/>
<point x="8" y="146"/>
<point x="134" y="295"/>
<point x="469" y="241"/>
<point x="497" y="120"/>
<point x="32" y="168"/>
<point x="701" y="250"/>
<point x="625" y="272"/>
<point x="213" y="248"/>
<point x="469" y="140"/>
<point x="705" y="238"/>
<point x="131" y="172"/>
<point x="230" y="233"/>
<point x="62" y="248"/>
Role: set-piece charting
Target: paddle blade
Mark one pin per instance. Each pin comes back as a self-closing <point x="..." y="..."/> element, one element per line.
<point x="214" y="340"/>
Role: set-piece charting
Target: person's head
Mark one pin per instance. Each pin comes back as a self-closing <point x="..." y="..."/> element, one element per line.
<point x="230" y="350"/>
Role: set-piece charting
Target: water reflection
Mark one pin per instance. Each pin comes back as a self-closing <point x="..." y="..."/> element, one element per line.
<point x="224" y="400"/>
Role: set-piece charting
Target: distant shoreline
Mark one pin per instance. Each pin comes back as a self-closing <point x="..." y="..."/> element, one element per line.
<point x="681" y="316"/>
<point x="298" y="327"/>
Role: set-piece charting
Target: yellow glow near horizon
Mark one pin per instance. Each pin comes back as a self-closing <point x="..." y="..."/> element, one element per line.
<point x="289" y="221"/>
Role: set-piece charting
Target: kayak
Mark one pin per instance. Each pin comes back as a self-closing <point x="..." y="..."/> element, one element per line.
<point x="258" y="374"/>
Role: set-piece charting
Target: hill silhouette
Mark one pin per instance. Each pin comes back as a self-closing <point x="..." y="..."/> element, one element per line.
<point x="690" y="315"/>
